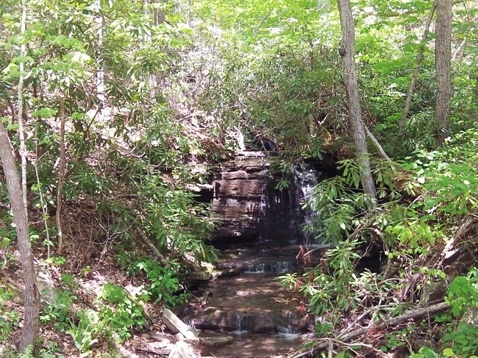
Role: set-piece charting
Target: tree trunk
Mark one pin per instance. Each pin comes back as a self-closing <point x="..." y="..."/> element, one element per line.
<point x="347" y="51"/>
<point x="32" y="298"/>
<point x="21" y="130"/>
<point x="17" y="192"/>
<point x="101" y="94"/>
<point x="443" y="68"/>
<point x="156" y="18"/>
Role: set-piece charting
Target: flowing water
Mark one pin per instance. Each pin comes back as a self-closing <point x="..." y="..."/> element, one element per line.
<point x="264" y="318"/>
<point x="248" y="302"/>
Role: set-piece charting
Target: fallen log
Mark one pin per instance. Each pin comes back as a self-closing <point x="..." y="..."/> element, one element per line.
<point x="159" y="352"/>
<point x="176" y="325"/>
<point x="455" y="247"/>
<point x="347" y="337"/>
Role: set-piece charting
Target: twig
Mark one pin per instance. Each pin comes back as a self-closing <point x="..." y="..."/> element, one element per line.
<point x="450" y="250"/>
<point x="150" y="244"/>
<point x="351" y="346"/>
<point x="15" y="284"/>
<point x="261" y="22"/>
<point x="359" y="318"/>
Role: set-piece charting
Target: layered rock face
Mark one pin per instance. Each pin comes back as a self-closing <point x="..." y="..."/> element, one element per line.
<point x="239" y="202"/>
<point x="247" y="205"/>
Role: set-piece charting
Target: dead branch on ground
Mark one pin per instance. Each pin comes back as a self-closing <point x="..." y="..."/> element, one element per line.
<point x="344" y="337"/>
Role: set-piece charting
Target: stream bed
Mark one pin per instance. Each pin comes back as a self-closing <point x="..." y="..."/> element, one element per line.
<point x="248" y="304"/>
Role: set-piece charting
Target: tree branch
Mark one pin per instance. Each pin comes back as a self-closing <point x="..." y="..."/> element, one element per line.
<point x="377" y="144"/>
<point x="344" y="337"/>
<point x="408" y="101"/>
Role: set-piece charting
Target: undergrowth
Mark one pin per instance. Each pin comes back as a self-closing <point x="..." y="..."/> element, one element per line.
<point x="422" y="203"/>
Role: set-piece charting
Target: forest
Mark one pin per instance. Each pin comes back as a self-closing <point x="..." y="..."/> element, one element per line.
<point x="114" y="112"/>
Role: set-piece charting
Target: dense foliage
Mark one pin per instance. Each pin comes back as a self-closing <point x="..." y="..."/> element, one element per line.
<point x="152" y="93"/>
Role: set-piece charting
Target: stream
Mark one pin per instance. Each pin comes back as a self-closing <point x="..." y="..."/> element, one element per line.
<point x="248" y="304"/>
<point x="260" y="236"/>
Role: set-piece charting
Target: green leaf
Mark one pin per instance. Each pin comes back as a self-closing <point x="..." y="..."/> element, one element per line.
<point x="4" y="242"/>
<point x="448" y="352"/>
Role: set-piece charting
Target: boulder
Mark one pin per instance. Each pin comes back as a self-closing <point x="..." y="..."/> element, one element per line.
<point x="216" y="341"/>
<point x="182" y="350"/>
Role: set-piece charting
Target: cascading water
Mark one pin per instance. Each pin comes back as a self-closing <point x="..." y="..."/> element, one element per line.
<point x="278" y="267"/>
<point x="306" y="178"/>
<point x="253" y="305"/>
<point x="241" y="327"/>
<point x="284" y="212"/>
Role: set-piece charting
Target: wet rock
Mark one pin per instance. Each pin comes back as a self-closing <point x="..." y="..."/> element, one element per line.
<point x="247" y="204"/>
<point x="265" y="318"/>
<point x="230" y="272"/>
<point x="252" y="322"/>
<point x="199" y="276"/>
<point x="238" y="192"/>
<point x="216" y="341"/>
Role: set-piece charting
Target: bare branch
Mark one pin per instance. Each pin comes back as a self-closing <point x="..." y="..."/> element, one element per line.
<point x="346" y="335"/>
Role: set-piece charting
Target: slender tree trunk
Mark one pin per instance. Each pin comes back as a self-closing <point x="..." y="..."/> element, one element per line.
<point x="17" y="191"/>
<point x="61" y="177"/>
<point x="411" y="88"/>
<point x="347" y="51"/>
<point x="100" y="73"/>
<point x="443" y="67"/>
<point x="21" y="130"/>
<point x="155" y="18"/>
<point x="44" y="206"/>
<point x="32" y="298"/>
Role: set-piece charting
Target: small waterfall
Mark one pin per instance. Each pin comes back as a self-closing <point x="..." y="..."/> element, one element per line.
<point x="255" y="268"/>
<point x="284" y="266"/>
<point x="279" y="267"/>
<point x="284" y="217"/>
<point x="239" y="329"/>
<point x="306" y="178"/>
<point x="244" y="323"/>
<point x="263" y="235"/>
<point x="287" y="332"/>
